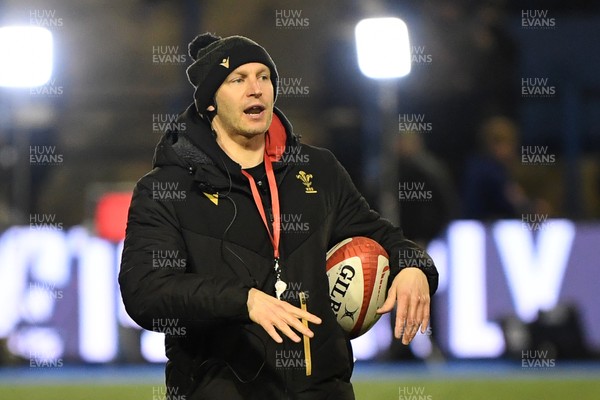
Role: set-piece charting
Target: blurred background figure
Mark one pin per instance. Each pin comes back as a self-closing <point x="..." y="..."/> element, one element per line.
<point x="424" y="220"/>
<point x="491" y="189"/>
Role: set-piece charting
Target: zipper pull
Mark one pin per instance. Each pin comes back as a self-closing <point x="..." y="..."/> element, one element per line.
<point x="270" y="212"/>
<point x="280" y="285"/>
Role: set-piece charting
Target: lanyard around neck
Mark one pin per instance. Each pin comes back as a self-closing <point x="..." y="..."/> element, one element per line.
<point x="275" y="236"/>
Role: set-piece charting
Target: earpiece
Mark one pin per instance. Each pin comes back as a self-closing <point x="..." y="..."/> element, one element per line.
<point x="213" y="107"/>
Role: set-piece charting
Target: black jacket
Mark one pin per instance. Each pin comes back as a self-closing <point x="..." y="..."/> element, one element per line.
<point x="195" y="244"/>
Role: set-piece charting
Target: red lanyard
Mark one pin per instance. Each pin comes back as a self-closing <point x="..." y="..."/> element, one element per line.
<point x="275" y="206"/>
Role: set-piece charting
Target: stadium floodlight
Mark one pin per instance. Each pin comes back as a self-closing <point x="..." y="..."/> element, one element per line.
<point x="383" y="48"/>
<point x="25" y="56"/>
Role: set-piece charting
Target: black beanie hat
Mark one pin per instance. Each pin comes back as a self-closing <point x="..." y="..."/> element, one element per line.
<point x="215" y="58"/>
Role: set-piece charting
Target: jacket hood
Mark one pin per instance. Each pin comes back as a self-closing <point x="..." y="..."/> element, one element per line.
<point x="194" y="146"/>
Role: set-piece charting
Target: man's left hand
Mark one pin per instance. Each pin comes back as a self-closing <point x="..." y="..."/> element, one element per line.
<point x="410" y="291"/>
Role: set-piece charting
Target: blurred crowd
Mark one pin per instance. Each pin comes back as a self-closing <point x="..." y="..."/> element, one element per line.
<point x="465" y="85"/>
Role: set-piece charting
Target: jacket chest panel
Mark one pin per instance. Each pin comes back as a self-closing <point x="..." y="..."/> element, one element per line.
<point x="304" y="209"/>
<point x="230" y="217"/>
<point x="234" y="217"/>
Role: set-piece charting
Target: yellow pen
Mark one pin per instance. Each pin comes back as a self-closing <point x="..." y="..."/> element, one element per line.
<point x="306" y="339"/>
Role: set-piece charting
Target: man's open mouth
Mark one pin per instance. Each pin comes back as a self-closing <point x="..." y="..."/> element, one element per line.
<point x="254" y="109"/>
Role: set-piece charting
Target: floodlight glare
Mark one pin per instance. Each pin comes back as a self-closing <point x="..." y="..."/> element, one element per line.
<point x="25" y="56"/>
<point x="383" y="47"/>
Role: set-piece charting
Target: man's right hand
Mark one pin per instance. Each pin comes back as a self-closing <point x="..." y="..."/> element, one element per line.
<point x="271" y="313"/>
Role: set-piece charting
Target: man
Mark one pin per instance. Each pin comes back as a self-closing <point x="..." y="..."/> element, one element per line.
<point x="215" y="200"/>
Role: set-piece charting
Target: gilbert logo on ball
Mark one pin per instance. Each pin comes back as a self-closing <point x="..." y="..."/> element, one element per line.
<point x="358" y="270"/>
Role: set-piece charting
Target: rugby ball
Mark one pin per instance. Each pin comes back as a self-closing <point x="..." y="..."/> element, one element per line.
<point x="358" y="269"/>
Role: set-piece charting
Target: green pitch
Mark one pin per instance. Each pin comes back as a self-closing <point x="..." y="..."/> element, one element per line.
<point x="455" y="389"/>
<point x="497" y="389"/>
